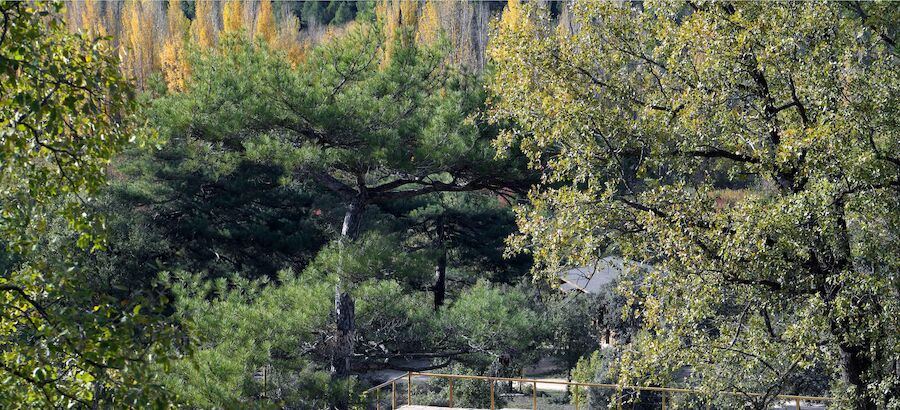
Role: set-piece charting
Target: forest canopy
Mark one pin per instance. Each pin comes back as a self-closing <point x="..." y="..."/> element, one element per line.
<point x="257" y="204"/>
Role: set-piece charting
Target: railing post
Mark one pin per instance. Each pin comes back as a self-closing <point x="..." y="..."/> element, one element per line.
<point x="378" y="398"/>
<point x="394" y="395"/>
<point x="664" y="395"/>
<point x="797" y="401"/>
<point x="534" y="394"/>
<point x="451" y="391"/>
<point x="408" y="387"/>
<point x="492" y="393"/>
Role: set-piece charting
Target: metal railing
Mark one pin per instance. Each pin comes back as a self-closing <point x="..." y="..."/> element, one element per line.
<point x="665" y="392"/>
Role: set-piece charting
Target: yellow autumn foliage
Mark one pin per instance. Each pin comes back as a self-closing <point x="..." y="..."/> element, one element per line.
<point x="233" y="16"/>
<point x="137" y="43"/>
<point x="289" y="42"/>
<point x="429" y="24"/>
<point x="173" y="56"/>
<point x="91" y="21"/>
<point x="202" y="28"/>
<point x="398" y="18"/>
<point x="513" y="15"/>
<point x="265" y="23"/>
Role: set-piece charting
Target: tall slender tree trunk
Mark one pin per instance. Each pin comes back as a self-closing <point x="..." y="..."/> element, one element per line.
<point x="344" y="307"/>
<point x="440" y="270"/>
<point x="854" y="364"/>
<point x="854" y="359"/>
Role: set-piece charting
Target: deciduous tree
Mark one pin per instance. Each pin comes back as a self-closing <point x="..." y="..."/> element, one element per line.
<point x="64" y="113"/>
<point x="173" y="57"/>
<point x="233" y="16"/>
<point x="429" y="25"/>
<point x="138" y="46"/>
<point x="640" y="119"/>
<point x="203" y="28"/>
<point x="265" y="22"/>
<point x="288" y="40"/>
<point x="91" y="19"/>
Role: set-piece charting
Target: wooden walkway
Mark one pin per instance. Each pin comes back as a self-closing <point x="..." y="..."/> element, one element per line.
<point x="414" y="407"/>
<point x="788" y="406"/>
<point x="785" y="402"/>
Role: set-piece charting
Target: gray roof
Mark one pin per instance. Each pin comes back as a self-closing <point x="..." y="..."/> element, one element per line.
<point x="590" y="279"/>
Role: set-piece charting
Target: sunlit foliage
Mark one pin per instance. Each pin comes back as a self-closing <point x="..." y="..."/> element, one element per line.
<point x="65" y="111"/>
<point x="643" y="114"/>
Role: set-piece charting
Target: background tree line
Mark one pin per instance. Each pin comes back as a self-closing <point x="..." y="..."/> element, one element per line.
<point x="152" y="36"/>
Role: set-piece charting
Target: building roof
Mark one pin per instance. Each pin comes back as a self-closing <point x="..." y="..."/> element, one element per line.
<point x="592" y="278"/>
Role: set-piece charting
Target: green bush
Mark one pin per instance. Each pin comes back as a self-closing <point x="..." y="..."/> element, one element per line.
<point x="257" y="343"/>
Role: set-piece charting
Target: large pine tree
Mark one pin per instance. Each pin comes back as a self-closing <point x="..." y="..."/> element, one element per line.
<point x="372" y="129"/>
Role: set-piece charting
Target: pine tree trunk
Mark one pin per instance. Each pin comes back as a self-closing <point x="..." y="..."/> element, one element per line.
<point x="352" y="219"/>
<point x="440" y="270"/>
<point x="345" y="319"/>
<point x="344" y="308"/>
<point x="440" y="280"/>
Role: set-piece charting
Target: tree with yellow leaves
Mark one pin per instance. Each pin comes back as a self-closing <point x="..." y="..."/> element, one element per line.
<point x="177" y="23"/>
<point x="91" y="21"/>
<point x="408" y="11"/>
<point x="203" y="29"/>
<point x="233" y="16"/>
<point x="429" y="25"/>
<point x="265" y="23"/>
<point x="173" y="57"/>
<point x="398" y="19"/>
<point x="462" y="22"/>
<point x="288" y="40"/>
<point x="513" y="15"/>
<point x="113" y="16"/>
<point x="137" y="45"/>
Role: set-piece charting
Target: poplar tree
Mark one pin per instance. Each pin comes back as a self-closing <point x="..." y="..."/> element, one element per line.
<point x="233" y="16"/>
<point x="113" y="20"/>
<point x="138" y="40"/>
<point x="173" y="57"/>
<point x="91" y="20"/>
<point x="428" y="28"/>
<point x="398" y="21"/>
<point x="203" y="29"/>
<point x="265" y="23"/>
<point x="289" y="42"/>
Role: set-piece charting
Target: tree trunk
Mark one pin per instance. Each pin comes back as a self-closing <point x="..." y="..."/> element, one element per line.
<point x="352" y="220"/>
<point x="344" y="308"/>
<point x="854" y="359"/>
<point x="345" y="319"/>
<point x="440" y="270"/>
<point x="854" y="364"/>
<point x="98" y="394"/>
